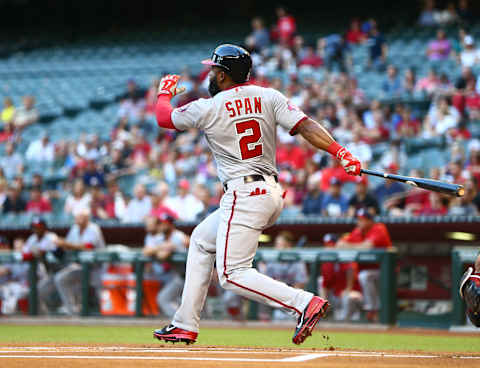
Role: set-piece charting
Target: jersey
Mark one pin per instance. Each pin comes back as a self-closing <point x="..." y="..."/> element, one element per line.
<point x="240" y="126"/>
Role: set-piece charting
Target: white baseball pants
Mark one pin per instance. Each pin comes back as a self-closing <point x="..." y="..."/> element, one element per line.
<point x="230" y="236"/>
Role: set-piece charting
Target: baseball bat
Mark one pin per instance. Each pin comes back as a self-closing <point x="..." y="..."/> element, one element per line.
<point x="429" y="184"/>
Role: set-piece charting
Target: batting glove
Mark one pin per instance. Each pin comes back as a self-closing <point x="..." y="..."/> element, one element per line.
<point x="168" y="86"/>
<point x="351" y="164"/>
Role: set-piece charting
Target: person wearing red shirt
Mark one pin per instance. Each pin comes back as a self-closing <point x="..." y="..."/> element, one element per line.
<point x="334" y="170"/>
<point x="286" y="26"/>
<point x="37" y="203"/>
<point x="311" y="58"/>
<point x="291" y="155"/>
<point x="355" y="35"/>
<point x="368" y="235"/>
<point x="339" y="282"/>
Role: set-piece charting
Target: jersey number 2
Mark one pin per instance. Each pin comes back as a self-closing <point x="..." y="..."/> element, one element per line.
<point x="249" y="139"/>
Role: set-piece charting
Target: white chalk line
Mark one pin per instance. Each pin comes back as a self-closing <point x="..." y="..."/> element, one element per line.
<point x="131" y="357"/>
<point x="13" y="352"/>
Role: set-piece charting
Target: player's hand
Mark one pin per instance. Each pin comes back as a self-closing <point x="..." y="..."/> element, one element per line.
<point x="168" y="85"/>
<point x="351" y="164"/>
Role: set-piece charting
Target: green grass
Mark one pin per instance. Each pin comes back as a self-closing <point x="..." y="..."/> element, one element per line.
<point x="379" y="341"/>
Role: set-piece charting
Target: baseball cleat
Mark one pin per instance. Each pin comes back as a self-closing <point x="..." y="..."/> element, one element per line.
<point x="175" y="334"/>
<point x="308" y="319"/>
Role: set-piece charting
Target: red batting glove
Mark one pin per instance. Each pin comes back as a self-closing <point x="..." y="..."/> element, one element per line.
<point x="168" y="86"/>
<point x="351" y="164"/>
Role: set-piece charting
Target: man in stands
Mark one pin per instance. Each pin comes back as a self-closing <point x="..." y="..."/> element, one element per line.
<point x="339" y="283"/>
<point x="368" y="235"/>
<point x="167" y="241"/>
<point x="83" y="235"/>
<point x="139" y="206"/>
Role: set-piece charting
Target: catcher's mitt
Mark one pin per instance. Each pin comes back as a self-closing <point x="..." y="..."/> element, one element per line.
<point x="470" y="292"/>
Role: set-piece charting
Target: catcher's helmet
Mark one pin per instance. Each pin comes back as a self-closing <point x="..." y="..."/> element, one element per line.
<point x="235" y="60"/>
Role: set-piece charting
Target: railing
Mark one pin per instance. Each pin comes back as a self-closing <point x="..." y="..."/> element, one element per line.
<point x="312" y="256"/>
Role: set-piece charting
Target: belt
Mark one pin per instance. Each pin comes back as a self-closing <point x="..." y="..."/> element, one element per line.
<point x="251" y="179"/>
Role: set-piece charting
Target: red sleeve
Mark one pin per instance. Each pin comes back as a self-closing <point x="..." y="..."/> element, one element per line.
<point x="163" y="112"/>
<point x="379" y="236"/>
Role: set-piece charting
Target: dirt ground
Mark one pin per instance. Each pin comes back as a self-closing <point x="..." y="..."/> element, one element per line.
<point x="195" y="357"/>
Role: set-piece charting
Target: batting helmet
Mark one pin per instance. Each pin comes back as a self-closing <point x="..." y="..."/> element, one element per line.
<point x="470" y="292"/>
<point x="235" y="60"/>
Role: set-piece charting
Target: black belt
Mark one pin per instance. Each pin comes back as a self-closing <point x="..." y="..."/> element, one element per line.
<point x="251" y="179"/>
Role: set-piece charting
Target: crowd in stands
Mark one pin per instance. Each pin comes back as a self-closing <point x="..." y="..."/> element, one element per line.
<point x="177" y="170"/>
<point x="175" y="175"/>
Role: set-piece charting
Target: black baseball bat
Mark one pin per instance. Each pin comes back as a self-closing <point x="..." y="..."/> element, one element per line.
<point x="429" y="184"/>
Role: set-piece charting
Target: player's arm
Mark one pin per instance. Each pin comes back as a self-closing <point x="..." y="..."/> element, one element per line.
<point x="163" y="109"/>
<point x="320" y="138"/>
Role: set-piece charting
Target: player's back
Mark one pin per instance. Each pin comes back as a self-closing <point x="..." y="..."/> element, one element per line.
<point x="240" y="126"/>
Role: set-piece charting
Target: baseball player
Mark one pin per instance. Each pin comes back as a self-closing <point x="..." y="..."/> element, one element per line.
<point x="240" y="124"/>
<point x="470" y="292"/>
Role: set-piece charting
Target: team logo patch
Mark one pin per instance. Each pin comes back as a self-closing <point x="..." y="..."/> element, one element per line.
<point x="292" y="107"/>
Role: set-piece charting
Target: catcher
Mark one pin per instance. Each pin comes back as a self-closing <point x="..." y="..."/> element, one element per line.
<point x="470" y="292"/>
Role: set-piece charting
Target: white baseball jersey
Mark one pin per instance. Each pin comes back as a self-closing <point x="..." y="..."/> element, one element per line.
<point x="92" y="234"/>
<point x="240" y="126"/>
<point x="45" y="244"/>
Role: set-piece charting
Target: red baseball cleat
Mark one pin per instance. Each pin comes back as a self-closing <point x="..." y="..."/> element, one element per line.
<point x="308" y="319"/>
<point x="175" y="334"/>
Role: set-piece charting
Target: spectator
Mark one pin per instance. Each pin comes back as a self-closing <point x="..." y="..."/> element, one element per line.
<point x="139" y="206"/>
<point x="334" y="170"/>
<point x="159" y="198"/>
<point x="259" y="39"/>
<point x="312" y="202"/>
<point x="368" y="235"/>
<point x="354" y="34"/>
<point x="208" y="202"/>
<point x="335" y="52"/>
<point x="153" y="238"/>
<point x="440" y="48"/>
<point x="408" y="127"/>
<point x="41" y="150"/>
<point x="14" y="201"/>
<point x="388" y="188"/>
<point x="38" y="204"/>
<point x="447" y="16"/>
<point x="8" y="113"/>
<point x="310" y="58"/>
<point x="11" y="162"/>
<point x="292" y="273"/>
<point x="290" y="155"/>
<point x="42" y="245"/>
<point x="132" y="102"/>
<point x="339" y="284"/>
<point x="171" y="240"/>
<point x="427" y="16"/>
<point x="392" y="85"/>
<point x="98" y="204"/>
<point x="151" y="97"/>
<point x="441" y="117"/>
<point x="377" y="48"/>
<point x="8" y="133"/>
<point x="435" y="205"/>
<point x="334" y="204"/>
<point x="408" y="83"/>
<point x="115" y="205"/>
<point x="93" y="175"/>
<point x="14" y="282"/>
<point x="362" y="198"/>
<point x="429" y="83"/>
<point x="78" y="200"/>
<point x="184" y="203"/>
<point x="27" y="114"/>
<point x="362" y="150"/>
<point x="285" y="28"/>
<point x="465" y="206"/>
<point x="83" y="235"/>
<point x="470" y="56"/>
